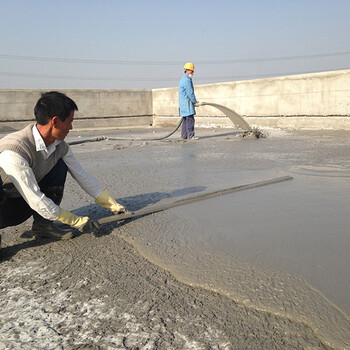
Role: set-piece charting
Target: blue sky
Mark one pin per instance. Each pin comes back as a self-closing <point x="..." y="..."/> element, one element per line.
<point x="133" y="44"/>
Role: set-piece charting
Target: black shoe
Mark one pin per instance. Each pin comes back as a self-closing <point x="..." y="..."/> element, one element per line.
<point x="47" y="229"/>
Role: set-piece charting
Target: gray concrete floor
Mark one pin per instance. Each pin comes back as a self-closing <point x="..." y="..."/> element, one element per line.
<point x="272" y="259"/>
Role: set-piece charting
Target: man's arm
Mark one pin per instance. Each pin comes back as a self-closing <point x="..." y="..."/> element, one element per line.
<point x="190" y="91"/>
<point x="90" y="185"/>
<point x="23" y="178"/>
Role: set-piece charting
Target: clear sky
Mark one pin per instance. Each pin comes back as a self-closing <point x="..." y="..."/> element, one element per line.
<point x="136" y="44"/>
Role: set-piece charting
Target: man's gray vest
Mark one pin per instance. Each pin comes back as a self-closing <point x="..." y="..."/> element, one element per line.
<point x="23" y="143"/>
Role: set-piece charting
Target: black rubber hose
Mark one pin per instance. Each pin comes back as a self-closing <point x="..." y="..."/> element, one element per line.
<point x="101" y="138"/>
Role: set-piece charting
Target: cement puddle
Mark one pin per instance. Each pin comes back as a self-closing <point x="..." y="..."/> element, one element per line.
<point x="194" y="257"/>
<point x="250" y="248"/>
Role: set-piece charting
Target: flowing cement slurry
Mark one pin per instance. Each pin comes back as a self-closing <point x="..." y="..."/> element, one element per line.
<point x="264" y="268"/>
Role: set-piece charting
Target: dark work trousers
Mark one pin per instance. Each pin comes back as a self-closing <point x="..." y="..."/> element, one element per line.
<point x="187" y="131"/>
<point x="14" y="211"/>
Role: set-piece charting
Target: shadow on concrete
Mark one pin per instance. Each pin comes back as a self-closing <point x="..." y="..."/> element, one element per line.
<point x="95" y="212"/>
<point x="8" y="252"/>
<point x="234" y="134"/>
<point x="132" y="203"/>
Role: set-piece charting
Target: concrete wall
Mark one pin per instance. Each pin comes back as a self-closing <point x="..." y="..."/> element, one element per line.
<point x="319" y="100"/>
<point x="97" y="108"/>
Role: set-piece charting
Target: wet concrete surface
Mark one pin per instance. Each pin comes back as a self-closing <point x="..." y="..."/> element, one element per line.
<point x="264" y="268"/>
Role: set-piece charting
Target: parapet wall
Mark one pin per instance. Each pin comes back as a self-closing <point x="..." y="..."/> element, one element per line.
<point x="319" y="100"/>
<point x="97" y="108"/>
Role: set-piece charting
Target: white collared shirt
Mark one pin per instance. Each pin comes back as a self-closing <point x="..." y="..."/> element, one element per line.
<point x="22" y="176"/>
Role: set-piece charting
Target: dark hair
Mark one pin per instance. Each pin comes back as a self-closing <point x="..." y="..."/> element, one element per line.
<point x="53" y="104"/>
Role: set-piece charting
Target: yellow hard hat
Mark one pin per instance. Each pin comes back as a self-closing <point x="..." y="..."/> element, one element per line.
<point x="189" y="66"/>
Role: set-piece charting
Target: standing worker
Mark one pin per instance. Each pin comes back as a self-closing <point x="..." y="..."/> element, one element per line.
<point x="187" y="102"/>
<point x="33" y="168"/>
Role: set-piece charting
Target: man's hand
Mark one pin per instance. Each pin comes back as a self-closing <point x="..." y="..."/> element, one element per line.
<point x="106" y="200"/>
<point x="122" y="210"/>
<point x="82" y="223"/>
<point x="198" y="104"/>
<point x="88" y="226"/>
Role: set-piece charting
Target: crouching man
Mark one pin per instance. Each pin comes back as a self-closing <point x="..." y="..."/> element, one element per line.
<point x="33" y="168"/>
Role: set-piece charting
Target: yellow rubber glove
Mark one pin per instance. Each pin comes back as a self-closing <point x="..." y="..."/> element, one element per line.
<point x="106" y="200"/>
<point x="82" y="223"/>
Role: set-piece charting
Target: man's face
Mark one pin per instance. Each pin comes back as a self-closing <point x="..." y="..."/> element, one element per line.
<point x="189" y="72"/>
<point x="61" y="129"/>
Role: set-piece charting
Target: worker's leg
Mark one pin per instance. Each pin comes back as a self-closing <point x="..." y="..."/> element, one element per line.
<point x="56" y="177"/>
<point x="13" y="210"/>
<point x="184" y="128"/>
<point x="52" y="185"/>
<point x="190" y="126"/>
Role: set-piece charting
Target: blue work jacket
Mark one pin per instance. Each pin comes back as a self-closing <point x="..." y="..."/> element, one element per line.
<point x="187" y="98"/>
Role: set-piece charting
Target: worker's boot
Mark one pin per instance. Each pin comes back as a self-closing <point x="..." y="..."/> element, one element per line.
<point x="45" y="228"/>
